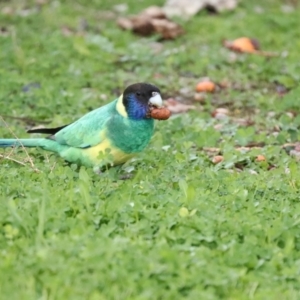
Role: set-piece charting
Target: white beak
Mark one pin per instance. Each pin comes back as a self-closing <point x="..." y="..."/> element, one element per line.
<point x="156" y="100"/>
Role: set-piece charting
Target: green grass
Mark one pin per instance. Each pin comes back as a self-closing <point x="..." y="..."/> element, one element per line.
<point x="181" y="227"/>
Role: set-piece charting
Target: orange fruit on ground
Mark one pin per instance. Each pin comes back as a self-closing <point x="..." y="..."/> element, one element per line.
<point x="243" y="44"/>
<point x="205" y="86"/>
<point x="260" y="158"/>
<point x="217" y="159"/>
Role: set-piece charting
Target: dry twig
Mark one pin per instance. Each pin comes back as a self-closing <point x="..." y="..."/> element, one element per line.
<point x="12" y="159"/>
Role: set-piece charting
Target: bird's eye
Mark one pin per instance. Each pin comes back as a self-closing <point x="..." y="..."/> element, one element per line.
<point x="138" y="93"/>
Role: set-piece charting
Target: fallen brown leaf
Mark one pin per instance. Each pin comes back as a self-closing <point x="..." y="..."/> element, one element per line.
<point x="177" y="107"/>
<point x="149" y="21"/>
<point x="125" y="23"/>
<point x="211" y="150"/>
<point x="220" y="113"/>
<point x="243" y="122"/>
<point x="167" y="29"/>
<point x="154" y="12"/>
<point x="142" y="25"/>
<point x="199" y="97"/>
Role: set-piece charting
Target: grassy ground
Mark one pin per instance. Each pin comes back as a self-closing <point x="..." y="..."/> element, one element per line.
<point x="181" y="227"/>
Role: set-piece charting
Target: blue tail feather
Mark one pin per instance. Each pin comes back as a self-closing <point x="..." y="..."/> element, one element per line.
<point x="4" y="143"/>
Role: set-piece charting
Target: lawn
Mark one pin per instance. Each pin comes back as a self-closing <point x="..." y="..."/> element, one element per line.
<point x="169" y="224"/>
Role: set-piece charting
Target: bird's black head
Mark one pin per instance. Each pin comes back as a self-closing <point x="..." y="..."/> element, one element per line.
<point x="138" y="98"/>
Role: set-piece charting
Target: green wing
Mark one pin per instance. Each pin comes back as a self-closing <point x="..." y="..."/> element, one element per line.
<point x="87" y="131"/>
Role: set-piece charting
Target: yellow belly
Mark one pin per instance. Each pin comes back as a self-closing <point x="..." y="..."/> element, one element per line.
<point x="105" y="152"/>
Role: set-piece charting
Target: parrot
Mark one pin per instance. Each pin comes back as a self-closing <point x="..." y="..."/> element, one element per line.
<point x="120" y="129"/>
